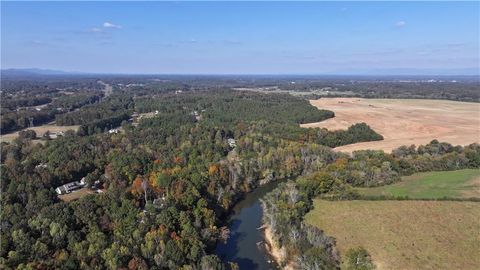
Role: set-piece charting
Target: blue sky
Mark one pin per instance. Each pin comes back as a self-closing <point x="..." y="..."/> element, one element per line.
<point x="239" y="37"/>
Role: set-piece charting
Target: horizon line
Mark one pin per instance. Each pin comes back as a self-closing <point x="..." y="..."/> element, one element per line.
<point x="37" y="71"/>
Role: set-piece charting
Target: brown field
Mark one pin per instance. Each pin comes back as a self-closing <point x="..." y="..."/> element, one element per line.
<point x="403" y="121"/>
<point x="405" y="234"/>
<point x="40" y="130"/>
<point x="76" y="194"/>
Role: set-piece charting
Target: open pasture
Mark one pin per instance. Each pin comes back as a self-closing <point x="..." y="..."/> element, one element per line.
<point x="404" y="234"/>
<point x="40" y="130"/>
<point x="432" y="185"/>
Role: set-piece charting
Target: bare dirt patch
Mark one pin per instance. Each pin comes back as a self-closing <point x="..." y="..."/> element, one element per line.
<point x="403" y="121"/>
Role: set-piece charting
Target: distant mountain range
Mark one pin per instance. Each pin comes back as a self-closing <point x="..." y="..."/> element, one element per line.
<point x="475" y="71"/>
<point x="20" y="72"/>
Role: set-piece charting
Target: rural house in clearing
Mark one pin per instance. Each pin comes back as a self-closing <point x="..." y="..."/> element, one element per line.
<point x="69" y="187"/>
<point x="231" y="142"/>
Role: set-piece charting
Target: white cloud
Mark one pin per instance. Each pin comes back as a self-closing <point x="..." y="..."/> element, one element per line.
<point x="400" y="23"/>
<point x="95" y="30"/>
<point x="111" y="25"/>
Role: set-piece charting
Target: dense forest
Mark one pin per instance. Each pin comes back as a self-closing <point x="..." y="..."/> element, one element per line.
<point x="168" y="180"/>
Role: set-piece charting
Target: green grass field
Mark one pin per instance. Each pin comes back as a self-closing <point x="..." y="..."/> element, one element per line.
<point x="404" y="234"/>
<point x="432" y="185"/>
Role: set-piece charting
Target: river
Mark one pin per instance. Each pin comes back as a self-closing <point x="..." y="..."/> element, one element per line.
<point x="242" y="247"/>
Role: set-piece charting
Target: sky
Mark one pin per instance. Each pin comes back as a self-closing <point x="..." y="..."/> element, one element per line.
<point x="240" y="37"/>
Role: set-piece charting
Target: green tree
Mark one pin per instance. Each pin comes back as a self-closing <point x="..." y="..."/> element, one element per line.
<point x="359" y="259"/>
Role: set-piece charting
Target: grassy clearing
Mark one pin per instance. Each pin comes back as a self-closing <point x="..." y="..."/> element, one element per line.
<point x="76" y="194"/>
<point x="432" y="185"/>
<point x="40" y="130"/>
<point x="405" y="234"/>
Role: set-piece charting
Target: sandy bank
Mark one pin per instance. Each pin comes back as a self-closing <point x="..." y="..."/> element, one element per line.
<point x="279" y="254"/>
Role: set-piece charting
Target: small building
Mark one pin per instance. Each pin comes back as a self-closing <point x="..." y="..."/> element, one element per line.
<point x="231" y="142"/>
<point x="54" y="135"/>
<point x="70" y="187"/>
<point x="113" y="131"/>
<point x="41" y="165"/>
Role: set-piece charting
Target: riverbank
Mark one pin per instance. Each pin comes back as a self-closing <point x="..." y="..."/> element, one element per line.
<point x="246" y="244"/>
<point x="279" y="254"/>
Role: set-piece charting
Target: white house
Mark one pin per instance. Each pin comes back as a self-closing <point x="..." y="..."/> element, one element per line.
<point x="232" y="142"/>
<point x="69" y="187"/>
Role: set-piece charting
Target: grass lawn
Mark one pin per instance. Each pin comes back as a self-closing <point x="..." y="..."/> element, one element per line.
<point x="76" y="194"/>
<point x="432" y="185"/>
<point x="405" y="234"/>
<point x="40" y="130"/>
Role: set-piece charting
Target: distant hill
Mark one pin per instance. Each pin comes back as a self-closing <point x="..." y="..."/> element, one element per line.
<point x="26" y="72"/>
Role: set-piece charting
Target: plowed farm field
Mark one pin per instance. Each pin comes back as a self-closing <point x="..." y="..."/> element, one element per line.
<point x="403" y="121"/>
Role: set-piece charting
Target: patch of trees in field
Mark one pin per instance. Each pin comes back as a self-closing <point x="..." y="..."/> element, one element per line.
<point x="360" y="132"/>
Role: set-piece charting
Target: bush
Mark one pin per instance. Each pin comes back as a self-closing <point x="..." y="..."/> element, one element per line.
<point x="359" y="259"/>
<point x="27" y="134"/>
